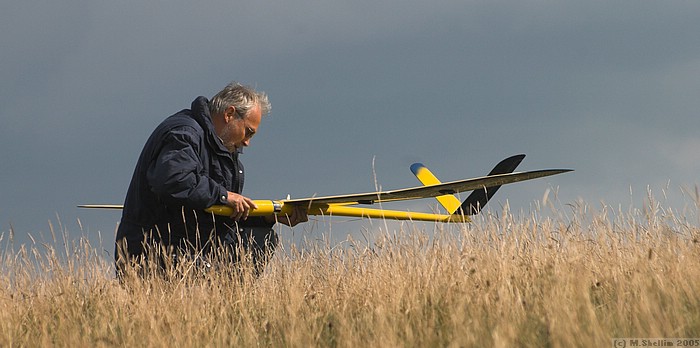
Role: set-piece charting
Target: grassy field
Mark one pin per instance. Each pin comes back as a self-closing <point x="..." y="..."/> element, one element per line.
<point x="576" y="279"/>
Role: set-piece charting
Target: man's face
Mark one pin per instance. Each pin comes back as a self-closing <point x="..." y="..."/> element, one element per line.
<point x="238" y="131"/>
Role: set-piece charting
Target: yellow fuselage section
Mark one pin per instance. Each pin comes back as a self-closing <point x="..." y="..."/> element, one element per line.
<point x="269" y="207"/>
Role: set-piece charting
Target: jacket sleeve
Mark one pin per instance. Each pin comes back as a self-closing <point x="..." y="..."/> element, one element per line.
<point x="176" y="173"/>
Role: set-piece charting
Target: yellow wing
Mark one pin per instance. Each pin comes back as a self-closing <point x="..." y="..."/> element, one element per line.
<point x="336" y="205"/>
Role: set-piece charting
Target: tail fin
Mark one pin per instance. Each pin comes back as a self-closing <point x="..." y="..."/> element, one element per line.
<point x="478" y="198"/>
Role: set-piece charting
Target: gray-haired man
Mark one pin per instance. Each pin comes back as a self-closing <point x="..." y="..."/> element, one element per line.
<point x="189" y="163"/>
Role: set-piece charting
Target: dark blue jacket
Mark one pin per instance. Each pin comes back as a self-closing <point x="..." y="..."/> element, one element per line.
<point x="183" y="169"/>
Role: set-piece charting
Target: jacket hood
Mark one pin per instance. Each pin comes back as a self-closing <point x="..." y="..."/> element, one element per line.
<point x="200" y="113"/>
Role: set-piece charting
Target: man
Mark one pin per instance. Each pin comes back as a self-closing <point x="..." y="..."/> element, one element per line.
<point x="189" y="163"/>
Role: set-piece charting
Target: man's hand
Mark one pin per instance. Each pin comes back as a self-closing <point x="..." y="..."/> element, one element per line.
<point x="241" y="205"/>
<point x="299" y="214"/>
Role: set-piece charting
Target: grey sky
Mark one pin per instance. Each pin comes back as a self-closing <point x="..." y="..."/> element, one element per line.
<point x="606" y="88"/>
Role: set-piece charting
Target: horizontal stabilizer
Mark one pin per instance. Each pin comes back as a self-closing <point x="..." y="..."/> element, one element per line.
<point x="426" y="177"/>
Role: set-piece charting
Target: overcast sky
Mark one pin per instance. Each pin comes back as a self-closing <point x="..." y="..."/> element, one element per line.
<point x="360" y="90"/>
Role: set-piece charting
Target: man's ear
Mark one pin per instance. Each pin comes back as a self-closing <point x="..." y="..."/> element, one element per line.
<point x="230" y="113"/>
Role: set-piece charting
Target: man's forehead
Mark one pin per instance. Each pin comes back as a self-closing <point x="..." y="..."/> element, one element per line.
<point x="255" y="114"/>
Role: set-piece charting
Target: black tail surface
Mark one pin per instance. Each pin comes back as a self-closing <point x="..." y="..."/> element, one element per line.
<point x="478" y="198"/>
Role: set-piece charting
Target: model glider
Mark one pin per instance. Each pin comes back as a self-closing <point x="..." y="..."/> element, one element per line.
<point x="482" y="189"/>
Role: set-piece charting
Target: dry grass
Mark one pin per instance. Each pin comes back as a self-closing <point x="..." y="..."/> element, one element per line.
<point x="577" y="279"/>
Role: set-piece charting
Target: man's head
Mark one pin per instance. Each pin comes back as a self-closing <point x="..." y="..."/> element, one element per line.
<point x="236" y="112"/>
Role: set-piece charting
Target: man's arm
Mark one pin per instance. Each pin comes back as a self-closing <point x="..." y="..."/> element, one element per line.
<point x="175" y="174"/>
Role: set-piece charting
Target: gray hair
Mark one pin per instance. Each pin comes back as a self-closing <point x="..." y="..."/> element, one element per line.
<point x="243" y="98"/>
